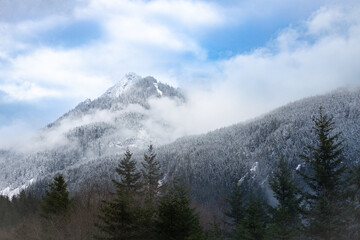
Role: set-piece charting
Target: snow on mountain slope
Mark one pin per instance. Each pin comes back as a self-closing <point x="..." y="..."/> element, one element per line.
<point x="121" y="118"/>
<point x="87" y="142"/>
<point x="122" y="86"/>
<point x="210" y="163"/>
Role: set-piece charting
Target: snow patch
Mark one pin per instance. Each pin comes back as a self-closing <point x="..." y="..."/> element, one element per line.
<point x="162" y="181"/>
<point x="264" y="181"/>
<point x="241" y="180"/>
<point x="122" y="86"/>
<point x="298" y="167"/>
<point x="254" y="167"/>
<point x="157" y="89"/>
<point x="13" y="192"/>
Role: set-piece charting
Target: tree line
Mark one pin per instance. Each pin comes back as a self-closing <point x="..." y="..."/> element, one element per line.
<point x="320" y="201"/>
<point x="323" y="204"/>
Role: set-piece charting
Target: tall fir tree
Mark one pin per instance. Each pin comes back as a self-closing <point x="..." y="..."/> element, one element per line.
<point x="176" y="219"/>
<point x="56" y="200"/>
<point x="120" y="216"/>
<point x="151" y="175"/>
<point x="129" y="176"/>
<point x="286" y="216"/>
<point x="353" y="212"/>
<point x="326" y="180"/>
<point x="253" y="225"/>
<point x="151" y="187"/>
<point x="236" y="202"/>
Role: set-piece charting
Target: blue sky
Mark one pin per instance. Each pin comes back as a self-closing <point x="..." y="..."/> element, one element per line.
<point x="241" y="57"/>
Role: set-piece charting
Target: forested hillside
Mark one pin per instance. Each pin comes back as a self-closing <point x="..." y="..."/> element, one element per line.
<point x="210" y="163"/>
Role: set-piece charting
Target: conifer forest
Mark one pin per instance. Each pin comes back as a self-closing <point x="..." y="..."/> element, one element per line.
<point x="319" y="201"/>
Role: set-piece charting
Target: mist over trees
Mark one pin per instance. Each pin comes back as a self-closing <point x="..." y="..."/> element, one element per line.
<point x="317" y="199"/>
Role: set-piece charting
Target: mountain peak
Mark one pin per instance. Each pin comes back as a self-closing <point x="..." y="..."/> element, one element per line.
<point x="132" y="76"/>
<point x="119" y="88"/>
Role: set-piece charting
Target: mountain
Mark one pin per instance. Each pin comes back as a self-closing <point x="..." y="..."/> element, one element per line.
<point x="87" y="142"/>
<point x="121" y="118"/>
<point x="211" y="162"/>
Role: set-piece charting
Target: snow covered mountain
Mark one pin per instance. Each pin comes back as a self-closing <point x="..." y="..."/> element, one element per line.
<point x="121" y="118"/>
<point x="211" y="162"/>
<point x="87" y="142"/>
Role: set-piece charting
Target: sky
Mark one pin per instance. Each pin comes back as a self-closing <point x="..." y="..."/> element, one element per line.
<point x="235" y="59"/>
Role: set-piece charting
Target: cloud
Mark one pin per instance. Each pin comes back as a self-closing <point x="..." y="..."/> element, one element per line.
<point x="141" y="36"/>
<point x="316" y="57"/>
<point x="10" y="133"/>
<point x="27" y="91"/>
<point x="321" y="55"/>
<point x="165" y="39"/>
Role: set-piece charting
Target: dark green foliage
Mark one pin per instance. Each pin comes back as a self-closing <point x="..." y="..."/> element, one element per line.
<point x="253" y="225"/>
<point x="120" y="217"/>
<point x="216" y="232"/>
<point x="56" y="200"/>
<point x="176" y="219"/>
<point x="236" y="203"/>
<point x="151" y="175"/>
<point x="354" y="208"/>
<point x="326" y="198"/>
<point x="286" y="219"/>
<point x="129" y="177"/>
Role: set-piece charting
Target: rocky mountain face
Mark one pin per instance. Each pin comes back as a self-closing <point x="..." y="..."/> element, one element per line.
<point x="121" y="118"/>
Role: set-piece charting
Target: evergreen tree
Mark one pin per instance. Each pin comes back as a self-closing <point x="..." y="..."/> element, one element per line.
<point x="176" y="219"/>
<point x="151" y="175"/>
<point x="253" y="225"/>
<point x="236" y="202"/>
<point x="56" y="200"/>
<point x="325" y="199"/>
<point x="129" y="177"/>
<point x="286" y="221"/>
<point x="119" y="217"/>
<point x="215" y="232"/>
<point x="151" y="192"/>
<point x="353" y="213"/>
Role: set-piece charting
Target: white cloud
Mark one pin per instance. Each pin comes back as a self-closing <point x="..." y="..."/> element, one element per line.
<point x="190" y="14"/>
<point x="51" y="73"/>
<point x="136" y="31"/>
<point x="156" y="38"/>
<point x="145" y="37"/>
<point x="299" y="62"/>
<point x="26" y="91"/>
